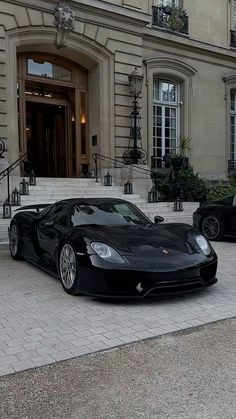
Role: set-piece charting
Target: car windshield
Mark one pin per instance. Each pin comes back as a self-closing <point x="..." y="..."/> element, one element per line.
<point x="228" y="200"/>
<point x="106" y="213"/>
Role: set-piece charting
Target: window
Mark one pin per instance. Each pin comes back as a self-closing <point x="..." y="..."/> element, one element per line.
<point x="40" y="67"/>
<point x="171" y="3"/>
<point x="233" y="14"/>
<point x="58" y="214"/>
<point x="106" y="214"/>
<point x="165" y="117"/>
<point x="233" y="24"/>
<point x="233" y="127"/>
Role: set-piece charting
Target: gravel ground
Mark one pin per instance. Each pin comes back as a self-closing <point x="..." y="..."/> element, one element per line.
<point x="188" y="374"/>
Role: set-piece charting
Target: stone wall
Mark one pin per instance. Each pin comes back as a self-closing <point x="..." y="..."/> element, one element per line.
<point x="110" y="38"/>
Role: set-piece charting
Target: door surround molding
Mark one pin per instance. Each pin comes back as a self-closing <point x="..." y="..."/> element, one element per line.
<point x="78" y="46"/>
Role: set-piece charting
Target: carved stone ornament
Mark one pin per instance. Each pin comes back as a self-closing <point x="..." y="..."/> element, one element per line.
<point x="64" y="19"/>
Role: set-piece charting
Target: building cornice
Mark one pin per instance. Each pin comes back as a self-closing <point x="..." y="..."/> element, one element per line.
<point x="91" y="7"/>
<point x="188" y="44"/>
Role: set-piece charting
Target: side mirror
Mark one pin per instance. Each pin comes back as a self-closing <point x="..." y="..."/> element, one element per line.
<point x="158" y="219"/>
<point x="48" y="223"/>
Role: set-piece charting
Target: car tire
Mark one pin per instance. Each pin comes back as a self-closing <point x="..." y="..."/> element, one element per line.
<point x="212" y="227"/>
<point x="69" y="269"/>
<point x="15" y="242"/>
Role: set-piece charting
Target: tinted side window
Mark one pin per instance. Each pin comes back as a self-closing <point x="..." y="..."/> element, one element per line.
<point x="61" y="218"/>
<point x="58" y="213"/>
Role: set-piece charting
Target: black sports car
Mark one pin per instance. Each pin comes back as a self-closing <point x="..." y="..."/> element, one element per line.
<point x="108" y="247"/>
<point x="217" y="219"/>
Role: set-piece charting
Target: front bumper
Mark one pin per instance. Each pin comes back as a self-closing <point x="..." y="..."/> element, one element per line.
<point x="121" y="282"/>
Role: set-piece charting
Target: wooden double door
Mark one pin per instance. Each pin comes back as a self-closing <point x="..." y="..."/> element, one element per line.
<point x="49" y="139"/>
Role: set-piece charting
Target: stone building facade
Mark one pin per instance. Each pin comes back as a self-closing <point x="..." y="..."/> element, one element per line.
<point x="64" y="91"/>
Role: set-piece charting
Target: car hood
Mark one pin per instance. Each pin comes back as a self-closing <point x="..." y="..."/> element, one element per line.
<point x="147" y="240"/>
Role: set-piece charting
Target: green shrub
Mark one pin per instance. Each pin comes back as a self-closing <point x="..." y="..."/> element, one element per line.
<point x="217" y="189"/>
<point x="193" y="187"/>
<point x="189" y="186"/>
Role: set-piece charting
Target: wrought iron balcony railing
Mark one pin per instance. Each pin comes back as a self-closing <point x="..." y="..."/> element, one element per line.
<point x="233" y="39"/>
<point x="231" y="167"/>
<point x="170" y="18"/>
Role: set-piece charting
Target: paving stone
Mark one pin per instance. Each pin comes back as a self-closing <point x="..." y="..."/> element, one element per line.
<point x="40" y="323"/>
<point x="61" y="356"/>
<point x="41" y="360"/>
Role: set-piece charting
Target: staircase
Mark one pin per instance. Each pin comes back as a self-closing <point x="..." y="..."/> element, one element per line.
<point x="49" y="190"/>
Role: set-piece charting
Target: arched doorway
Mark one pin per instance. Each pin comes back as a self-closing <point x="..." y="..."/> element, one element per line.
<point x="52" y="109"/>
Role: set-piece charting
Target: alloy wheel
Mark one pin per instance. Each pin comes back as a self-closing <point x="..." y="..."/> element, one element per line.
<point x="211" y="227"/>
<point x="13" y="239"/>
<point x="67" y="266"/>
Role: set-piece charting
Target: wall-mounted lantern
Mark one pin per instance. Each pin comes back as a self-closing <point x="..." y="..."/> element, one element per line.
<point x="15" y="198"/>
<point x="128" y="188"/>
<point x="24" y="187"/>
<point x="7" y="209"/>
<point x="108" y="179"/>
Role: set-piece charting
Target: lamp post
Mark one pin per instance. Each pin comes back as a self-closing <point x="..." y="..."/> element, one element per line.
<point x="135" y="154"/>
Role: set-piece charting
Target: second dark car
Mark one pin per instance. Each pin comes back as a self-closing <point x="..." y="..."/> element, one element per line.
<point x="217" y="219"/>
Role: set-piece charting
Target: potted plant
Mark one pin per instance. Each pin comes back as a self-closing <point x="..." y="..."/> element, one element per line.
<point x="180" y="160"/>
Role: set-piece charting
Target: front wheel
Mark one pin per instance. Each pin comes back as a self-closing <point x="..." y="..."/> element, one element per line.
<point x="69" y="269"/>
<point x="14" y="242"/>
<point x="212" y="228"/>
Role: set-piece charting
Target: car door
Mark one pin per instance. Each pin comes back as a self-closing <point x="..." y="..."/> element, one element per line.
<point x="51" y="228"/>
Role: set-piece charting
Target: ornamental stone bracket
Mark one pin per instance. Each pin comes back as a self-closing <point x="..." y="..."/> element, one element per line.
<point x="64" y="19"/>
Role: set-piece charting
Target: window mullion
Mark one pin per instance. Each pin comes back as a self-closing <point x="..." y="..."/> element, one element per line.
<point x="163" y="131"/>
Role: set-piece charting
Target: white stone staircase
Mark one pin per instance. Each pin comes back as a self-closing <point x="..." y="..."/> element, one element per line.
<point x="49" y="190"/>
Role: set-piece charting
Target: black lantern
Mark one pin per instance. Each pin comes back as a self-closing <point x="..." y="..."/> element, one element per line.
<point x="15" y="198"/>
<point x="152" y="195"/>
<point x="24" y="187"/>
<point x="178" y="205"/>
<point x="128" y="188"/>
<point x="135" y="154"/>
<point x="7" y="209"/>
<point x="32" y="178"/>
<point x="108" y="179"/>
<point x="135" y="82"/>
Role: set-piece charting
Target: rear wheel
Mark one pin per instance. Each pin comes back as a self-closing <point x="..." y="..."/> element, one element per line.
<point x="14" y="242"/>
<point x="69" y="269"/>
<point x="212" y="227"/>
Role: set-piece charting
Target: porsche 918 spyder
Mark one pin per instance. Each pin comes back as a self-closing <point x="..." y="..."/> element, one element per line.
<point x="108" y="247"/>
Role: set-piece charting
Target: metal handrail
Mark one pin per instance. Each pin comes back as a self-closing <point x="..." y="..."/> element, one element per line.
<point x="9" y="169"/>
<point x="118" y="164"/>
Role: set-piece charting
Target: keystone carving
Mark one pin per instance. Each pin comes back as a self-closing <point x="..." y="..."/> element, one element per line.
<point x="64" y="22"/>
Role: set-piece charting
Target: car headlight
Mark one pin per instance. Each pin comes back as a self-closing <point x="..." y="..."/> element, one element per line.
<point x="203" y="244"/>
<point x="107" y="252"/>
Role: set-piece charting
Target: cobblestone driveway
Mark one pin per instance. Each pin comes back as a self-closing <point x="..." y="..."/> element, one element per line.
<point x="41" y="324"/>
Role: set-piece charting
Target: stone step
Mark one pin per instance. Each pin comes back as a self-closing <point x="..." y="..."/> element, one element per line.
<point x="76" y="194"/>
<point x="68" y="188"/>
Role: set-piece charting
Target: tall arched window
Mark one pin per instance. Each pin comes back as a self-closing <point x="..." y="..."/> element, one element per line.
<point x="165" y="117"/>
